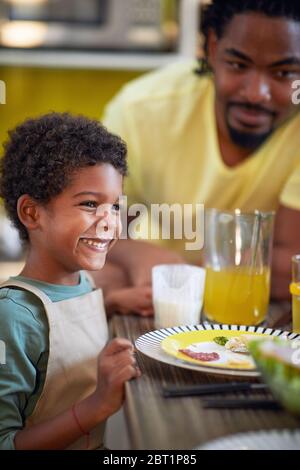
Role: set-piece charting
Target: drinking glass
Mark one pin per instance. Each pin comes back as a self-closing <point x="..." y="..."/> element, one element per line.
<point x="238" y="250"/>
<point x="177" y="294"/>
<point x="295" y="291"/>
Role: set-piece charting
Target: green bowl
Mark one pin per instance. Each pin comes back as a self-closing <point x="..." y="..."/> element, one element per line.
<point x="279" y="363"/>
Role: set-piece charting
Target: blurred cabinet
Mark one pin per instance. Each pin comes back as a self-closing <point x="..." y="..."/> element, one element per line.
<point x="82" y="82"/>
<point x="155" y="32"/>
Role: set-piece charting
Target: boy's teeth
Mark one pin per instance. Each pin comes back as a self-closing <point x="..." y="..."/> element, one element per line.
<point x="94" y="243"/>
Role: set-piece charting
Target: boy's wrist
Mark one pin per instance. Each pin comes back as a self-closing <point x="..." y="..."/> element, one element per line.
<point x="89" y="413"/>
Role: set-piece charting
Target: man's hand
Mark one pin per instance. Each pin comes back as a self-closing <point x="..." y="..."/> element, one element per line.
<point x="137" y="258"/>
<point x="130" y="300"/>
<point x="110" y="277"/>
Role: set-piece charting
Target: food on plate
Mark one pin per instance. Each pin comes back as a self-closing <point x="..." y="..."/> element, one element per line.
<point x="230" y="349"/>
<point x="215" y="354"/>
<point x="221" y="340"/>
<point x="238" y="362"/>
<point x="223" y="351"/>
<point x="201" y="356"/>
<point x="237" y="344"/>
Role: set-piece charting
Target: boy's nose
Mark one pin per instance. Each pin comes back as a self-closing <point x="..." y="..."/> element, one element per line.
<point x="107" y="222"/>
<point x="105" y="229"/>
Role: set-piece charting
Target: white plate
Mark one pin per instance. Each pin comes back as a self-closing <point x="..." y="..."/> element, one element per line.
<point x="150" y="345"/>
<point x="260" y="440"/>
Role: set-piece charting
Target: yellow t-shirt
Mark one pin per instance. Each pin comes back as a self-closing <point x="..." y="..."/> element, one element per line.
<point x="168" y="121"/>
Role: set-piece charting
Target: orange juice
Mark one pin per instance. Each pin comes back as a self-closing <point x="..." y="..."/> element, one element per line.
<point x="237" y="295"/>
<point x="295" y="291"/>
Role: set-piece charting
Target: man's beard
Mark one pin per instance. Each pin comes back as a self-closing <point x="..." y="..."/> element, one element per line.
<point x="247" y="140"/>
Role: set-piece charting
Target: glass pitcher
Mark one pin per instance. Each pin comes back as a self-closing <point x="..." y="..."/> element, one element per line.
<point x="238" y="249"/>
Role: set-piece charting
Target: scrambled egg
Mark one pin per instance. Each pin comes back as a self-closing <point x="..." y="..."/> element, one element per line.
<point x="239" y="344"/>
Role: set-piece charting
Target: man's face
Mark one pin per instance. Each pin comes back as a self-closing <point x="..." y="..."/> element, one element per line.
<point x="254" y="64"/>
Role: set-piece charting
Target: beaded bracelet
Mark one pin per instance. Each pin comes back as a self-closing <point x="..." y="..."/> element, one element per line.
<point x="83" y="432"/>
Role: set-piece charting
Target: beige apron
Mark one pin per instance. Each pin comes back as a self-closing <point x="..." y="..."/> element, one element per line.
<point x="77" y="333"/>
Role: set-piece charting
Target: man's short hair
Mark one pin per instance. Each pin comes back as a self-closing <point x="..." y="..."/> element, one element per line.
<point x="218" y="14"/>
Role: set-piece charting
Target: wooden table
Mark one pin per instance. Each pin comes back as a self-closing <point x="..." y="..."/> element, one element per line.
<point x="155" y="422"/>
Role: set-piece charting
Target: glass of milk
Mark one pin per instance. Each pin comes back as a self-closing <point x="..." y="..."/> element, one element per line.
<point x="177" y="294"/>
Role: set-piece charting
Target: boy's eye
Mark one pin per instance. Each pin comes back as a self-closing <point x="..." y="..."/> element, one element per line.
<point x="90" y="204"/>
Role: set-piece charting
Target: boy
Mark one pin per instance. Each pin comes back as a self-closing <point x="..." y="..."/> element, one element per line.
<point x="56" y="390"/>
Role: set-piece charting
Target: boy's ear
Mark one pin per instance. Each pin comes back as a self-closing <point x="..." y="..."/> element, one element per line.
<point x="28" y="212"/>
<point x="212" y="43"/>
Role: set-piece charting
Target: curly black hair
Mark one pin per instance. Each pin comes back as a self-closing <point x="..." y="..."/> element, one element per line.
<point x="42" y="155"/>
<point x="217" y="15"/>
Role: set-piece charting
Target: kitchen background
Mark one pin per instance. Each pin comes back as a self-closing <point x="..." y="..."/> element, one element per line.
<point x="44" y="69"/>
<point x="74" y="55"/>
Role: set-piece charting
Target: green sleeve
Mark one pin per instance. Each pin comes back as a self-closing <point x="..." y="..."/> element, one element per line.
<point x="24" y="340"/>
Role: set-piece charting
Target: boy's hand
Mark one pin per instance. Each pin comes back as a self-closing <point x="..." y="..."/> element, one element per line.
<point x="116" y="365"/>
<point x="129" y="300"/>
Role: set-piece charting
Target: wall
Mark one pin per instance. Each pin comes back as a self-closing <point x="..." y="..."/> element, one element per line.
<point x="33" y="91"/>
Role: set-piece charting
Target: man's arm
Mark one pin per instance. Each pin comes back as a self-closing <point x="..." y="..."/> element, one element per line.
<point x="286" y="244"/>
<point x="126" y="277"/>
<point x="111" y="277"/>
<point x="137" y="259"/>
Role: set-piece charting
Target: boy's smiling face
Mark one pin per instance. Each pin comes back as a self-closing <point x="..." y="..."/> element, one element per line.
<point x="69" y="238"/>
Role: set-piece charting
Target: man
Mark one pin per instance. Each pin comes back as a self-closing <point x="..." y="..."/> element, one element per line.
<point x="228" y="139"/>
